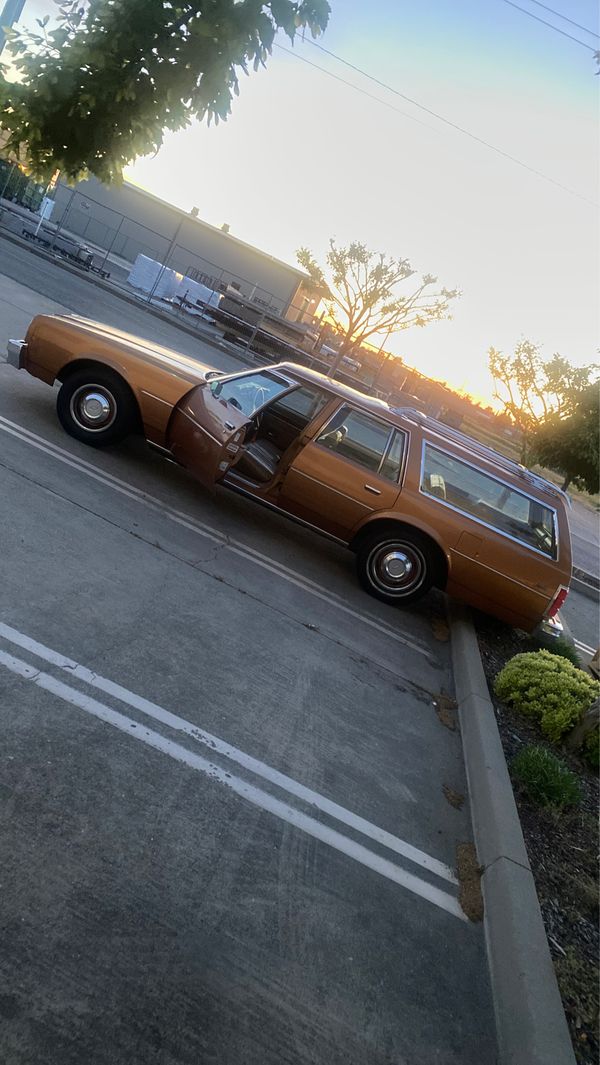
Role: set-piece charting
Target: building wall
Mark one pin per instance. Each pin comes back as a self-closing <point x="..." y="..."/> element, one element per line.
<point x="130" y="221"/>
<point x="305" y="304"/>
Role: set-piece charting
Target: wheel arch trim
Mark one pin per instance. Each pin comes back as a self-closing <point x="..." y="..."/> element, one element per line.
<point x="390" y="521"/>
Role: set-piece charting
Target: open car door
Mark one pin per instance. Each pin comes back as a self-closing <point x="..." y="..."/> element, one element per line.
<point x="209" y="425"/>
<point x="206" y="433"/>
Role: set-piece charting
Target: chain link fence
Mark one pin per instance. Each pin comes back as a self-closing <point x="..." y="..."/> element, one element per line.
<point x="164" y="271"/>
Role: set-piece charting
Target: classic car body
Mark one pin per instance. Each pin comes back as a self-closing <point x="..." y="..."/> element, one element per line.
<point x="420" y="503"/>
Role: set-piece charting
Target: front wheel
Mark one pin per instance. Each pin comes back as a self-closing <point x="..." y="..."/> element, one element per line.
<point x="397" y="568"/>
<point x="96" y="407"/>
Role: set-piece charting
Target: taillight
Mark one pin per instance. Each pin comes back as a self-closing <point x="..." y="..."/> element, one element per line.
<point x="558" y="601"/>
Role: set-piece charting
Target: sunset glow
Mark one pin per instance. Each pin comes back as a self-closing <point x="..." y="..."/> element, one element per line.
<point x="305" y="157"/>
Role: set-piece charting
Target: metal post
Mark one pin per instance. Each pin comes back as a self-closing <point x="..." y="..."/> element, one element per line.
<point x="167" y="257"/>
<point x="112" y="243"/>
<point x="383" y="362"/>
<point x="7" y="182"/>
<point x="65" y="213"/>
<point x="252" y="337"/>
<point x="11" y="13"/>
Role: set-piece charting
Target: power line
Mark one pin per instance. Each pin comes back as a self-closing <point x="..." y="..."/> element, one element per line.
<point x="422" y="107"/>
<point x="558" y="14"/>
<point x="583" y="44"/>
<point x="351" y="85"/>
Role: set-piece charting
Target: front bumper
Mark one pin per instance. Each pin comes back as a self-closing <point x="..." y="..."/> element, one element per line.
<point x="16" y="353"/>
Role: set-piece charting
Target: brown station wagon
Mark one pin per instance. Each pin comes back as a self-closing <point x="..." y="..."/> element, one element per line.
<point x="419" y="503"/>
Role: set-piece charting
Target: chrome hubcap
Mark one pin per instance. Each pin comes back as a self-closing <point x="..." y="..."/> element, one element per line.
<point x="396" y="565"/>
<point x="93" y="407"/>
<point x="397" y="569"/>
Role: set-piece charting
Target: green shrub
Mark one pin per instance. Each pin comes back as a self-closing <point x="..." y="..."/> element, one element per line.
<point x="548" y="688"/>
<point x="559" y="645"/>
<point x="545" y="779"/>
<point x="591" y="749"/>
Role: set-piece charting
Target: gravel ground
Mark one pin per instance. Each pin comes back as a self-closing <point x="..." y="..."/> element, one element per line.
<point x="563" y="850"/>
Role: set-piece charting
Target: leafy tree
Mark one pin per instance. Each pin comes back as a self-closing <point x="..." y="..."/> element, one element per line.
<point x="100" y="88"/>
<point x="571" y="445"/>
<point x="532" y="390"/>
<point x="361" y="291"/>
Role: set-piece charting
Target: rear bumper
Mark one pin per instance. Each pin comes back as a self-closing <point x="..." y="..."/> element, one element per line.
<point x="16" y="353"/>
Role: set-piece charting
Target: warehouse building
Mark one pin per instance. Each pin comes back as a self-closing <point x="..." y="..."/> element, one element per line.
<point x="128" y="221"/>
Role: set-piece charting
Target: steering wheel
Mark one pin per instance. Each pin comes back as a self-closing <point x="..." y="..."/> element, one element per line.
<point x="261" y="395"/>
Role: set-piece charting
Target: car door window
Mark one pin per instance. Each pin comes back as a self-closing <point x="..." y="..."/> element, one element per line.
<point x="371" y="443"/>
<point x="248" y="392"/>
<point x="300" y="406"/>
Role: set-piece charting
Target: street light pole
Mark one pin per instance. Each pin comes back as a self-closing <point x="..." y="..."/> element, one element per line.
<point x="11" y="13"/>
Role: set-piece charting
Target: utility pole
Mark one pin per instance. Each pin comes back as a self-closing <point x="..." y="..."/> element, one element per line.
<point x="11" y="13"/>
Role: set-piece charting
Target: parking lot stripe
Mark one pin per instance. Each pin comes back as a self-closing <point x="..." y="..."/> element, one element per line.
<point x="584" y="647"/>
<point x="247" y="761"/>
<point x="249" y="792"/>
<point x="210" y="533"/>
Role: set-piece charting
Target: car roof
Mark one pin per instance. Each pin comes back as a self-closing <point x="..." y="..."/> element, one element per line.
<point x="378" y="406"/>
<point x="497" y="463"/>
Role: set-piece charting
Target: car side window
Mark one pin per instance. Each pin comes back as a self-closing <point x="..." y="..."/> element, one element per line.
<point x="488" y="500"/>
<point x="366" y="440"/>
<point x="300" y="406"/>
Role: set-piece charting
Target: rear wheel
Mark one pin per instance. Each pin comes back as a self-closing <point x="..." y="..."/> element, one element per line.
<point x="96" y="407"/>
<point x="396" y="567"/>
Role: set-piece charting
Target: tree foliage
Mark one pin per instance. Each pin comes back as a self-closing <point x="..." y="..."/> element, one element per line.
<point x="532" y="390"/>
<point x="98" y="88"/>
<point x="361" y="290"/>
<point x="571" y="445"/>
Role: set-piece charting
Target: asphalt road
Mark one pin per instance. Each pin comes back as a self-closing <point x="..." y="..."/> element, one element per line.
<point x="223" y="827"/>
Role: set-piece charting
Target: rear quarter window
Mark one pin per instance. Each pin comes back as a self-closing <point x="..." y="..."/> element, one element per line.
<point x="488" y="500"/>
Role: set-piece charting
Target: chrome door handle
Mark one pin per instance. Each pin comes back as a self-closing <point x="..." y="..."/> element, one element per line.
<point x="375" y="491"/>
<point x="229" y="425"/>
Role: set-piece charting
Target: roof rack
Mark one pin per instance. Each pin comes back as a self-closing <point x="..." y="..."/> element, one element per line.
<point x="489" y="453"/>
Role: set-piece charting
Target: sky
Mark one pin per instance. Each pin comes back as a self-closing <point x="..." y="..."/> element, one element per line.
<point x="304" y="158"/>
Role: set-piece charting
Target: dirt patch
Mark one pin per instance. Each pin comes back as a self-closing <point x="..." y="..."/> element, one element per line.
<point x="440" y="629"/>
<point x="453" y="797"/>
<point x="445" y="708"/>
<point x="469" y="872"/>
<point x="563" y="851"/>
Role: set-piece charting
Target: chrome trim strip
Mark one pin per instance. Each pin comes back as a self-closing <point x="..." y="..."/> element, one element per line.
<point x="234" y="487"/>
<point x="352" y="499"/>
<point x="470" y="444"/>
<point x="201" y="427"/>
<point x="480" y="521"/>
<point x="394" y="427"/>
<point x="157" y="398"/>
<point x="505" y="576"/>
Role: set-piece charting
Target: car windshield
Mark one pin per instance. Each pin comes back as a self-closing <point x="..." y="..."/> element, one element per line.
<point x="248" y="392"/>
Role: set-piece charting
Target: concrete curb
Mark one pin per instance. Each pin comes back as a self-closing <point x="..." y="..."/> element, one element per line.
<point x="530" y="1021"/>
<point x="585" y="589"/>
<point x="586" y="584"/>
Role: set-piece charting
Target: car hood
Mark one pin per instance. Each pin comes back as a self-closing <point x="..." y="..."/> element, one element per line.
<point x="193" y="369"/>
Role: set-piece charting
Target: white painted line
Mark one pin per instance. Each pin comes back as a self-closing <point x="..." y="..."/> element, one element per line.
<point x="584" y="647"/>
<point x="211" y="533"/>
<point x="247" y="791"/>
<point x="260" y="769"/>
